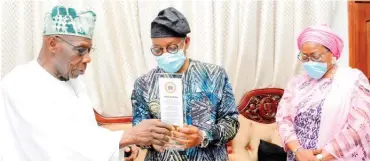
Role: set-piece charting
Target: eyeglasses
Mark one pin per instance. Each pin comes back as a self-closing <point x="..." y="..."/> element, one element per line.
<point x="316" y="57"/>
<point x="172" y="49"/>
<point x="81" y="50"/>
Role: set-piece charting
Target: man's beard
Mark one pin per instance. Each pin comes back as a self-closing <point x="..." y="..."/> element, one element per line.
<point x="61" y="78"/>
<point x="65" y="77"/>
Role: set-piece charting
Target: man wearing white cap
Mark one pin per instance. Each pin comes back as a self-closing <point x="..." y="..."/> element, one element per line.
<point x="49" y="115"/>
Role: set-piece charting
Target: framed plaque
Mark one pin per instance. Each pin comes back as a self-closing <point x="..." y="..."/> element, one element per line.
<point x="171" y="102"/>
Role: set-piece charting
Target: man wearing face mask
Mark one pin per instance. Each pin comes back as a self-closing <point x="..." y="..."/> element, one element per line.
<point x="48" y="113"/>
<point x="211" y="113"/>
<point x="324" y="112"/>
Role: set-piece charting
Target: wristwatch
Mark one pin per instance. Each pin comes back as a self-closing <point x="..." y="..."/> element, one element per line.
<point x="295" y="151"/>
<point x="205" y="139"/>
<point x="319" y="157"/>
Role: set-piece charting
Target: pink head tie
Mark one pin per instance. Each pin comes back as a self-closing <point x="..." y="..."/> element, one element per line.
<point x="323" y="35"/>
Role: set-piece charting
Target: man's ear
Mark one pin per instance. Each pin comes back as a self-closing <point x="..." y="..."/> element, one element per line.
<point x="51" y="43"/>
<point x="187" y="42"/>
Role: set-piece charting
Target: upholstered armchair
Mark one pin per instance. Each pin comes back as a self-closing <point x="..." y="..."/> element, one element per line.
<point x="257" y="121"/>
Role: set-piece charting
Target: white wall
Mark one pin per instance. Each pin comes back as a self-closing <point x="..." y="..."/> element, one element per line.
<point x="1" y="16"/>
<point x="340" y="26"/>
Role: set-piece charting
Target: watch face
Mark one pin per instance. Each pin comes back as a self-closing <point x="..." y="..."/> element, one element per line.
<point x="205" y="139"/>
<point x="319" y="156"/>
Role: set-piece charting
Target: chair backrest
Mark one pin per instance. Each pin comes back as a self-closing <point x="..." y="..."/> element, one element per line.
<point x="257" y="111"/>
<point x="260" y="105"/>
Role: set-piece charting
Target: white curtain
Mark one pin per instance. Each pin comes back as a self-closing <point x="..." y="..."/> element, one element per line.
<point x="255" y="41"/>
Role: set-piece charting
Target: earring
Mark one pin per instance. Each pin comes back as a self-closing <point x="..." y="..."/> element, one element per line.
<point x="333" y="61"/>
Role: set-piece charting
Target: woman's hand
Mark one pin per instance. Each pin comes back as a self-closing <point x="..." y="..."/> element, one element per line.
<point x="326" y="155"/>
<point x="305" y="155"/>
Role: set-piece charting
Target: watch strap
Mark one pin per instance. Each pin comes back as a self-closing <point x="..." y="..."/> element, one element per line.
<point x="205" y="139"/>
<point x="296" y="150"/>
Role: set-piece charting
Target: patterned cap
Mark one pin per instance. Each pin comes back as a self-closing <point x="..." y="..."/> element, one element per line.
<point x="66" y="21"/>
<point x="169" y="23"/>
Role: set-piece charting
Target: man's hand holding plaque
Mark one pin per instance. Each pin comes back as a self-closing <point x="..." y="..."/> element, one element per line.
<point x="188" y="136"/>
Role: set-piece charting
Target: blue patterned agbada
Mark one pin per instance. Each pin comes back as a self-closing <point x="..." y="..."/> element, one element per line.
<point x="209" y="104"/>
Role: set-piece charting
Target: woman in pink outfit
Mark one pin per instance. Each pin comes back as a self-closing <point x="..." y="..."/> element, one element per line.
<point x="324" y="112"/>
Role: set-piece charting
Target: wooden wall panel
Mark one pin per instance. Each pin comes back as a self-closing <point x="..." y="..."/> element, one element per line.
<point x="359" y="39"/>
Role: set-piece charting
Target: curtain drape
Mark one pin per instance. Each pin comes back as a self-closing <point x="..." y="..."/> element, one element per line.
<point x="255" y="41"/>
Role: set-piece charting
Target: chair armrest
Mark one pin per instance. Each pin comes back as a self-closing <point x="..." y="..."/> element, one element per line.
<point x="229" y="147"/>
<point x="111" y="120"/>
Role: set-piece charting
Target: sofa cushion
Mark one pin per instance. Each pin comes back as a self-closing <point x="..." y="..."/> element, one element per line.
<point x="270" y="152"/>
<point x="246" y="142"/>
<point x="257" y="122"/>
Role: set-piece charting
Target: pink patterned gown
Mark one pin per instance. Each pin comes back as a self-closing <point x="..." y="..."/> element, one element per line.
<point x="299" y="117"/>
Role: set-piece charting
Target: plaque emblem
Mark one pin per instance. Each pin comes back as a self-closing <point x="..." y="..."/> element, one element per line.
<point x="170" y="87"/>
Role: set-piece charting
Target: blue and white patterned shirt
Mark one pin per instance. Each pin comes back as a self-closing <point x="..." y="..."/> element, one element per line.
<point x="209" y="103"/>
